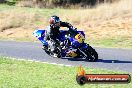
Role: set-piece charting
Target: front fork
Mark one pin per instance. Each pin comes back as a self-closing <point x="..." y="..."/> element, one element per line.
<point x="83" y="50"/>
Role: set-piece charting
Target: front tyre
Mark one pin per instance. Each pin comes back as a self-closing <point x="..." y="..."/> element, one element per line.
<point x="92" y="55"/>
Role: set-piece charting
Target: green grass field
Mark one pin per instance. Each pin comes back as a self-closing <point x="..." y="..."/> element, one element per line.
<point x="29" y="74"/>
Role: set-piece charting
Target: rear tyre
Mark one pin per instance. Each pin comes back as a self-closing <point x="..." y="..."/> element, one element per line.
<point x="57" y="53"/>
<point x="45" y="48"/>
<point x="48" y="51"/>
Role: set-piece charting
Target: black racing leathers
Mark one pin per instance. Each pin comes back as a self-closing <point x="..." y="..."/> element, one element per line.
<point x="53" y="32"/>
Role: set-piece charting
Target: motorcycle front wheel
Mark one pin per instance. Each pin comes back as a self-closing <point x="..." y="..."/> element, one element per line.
<point x="92" y="55"/>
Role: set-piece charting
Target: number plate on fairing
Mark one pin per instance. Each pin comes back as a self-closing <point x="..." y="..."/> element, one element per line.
<point x="80" y="38"/>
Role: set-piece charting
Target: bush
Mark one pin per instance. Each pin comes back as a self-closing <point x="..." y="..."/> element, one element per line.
<point x="12" y="2"/>
<point x="55" y="3"/>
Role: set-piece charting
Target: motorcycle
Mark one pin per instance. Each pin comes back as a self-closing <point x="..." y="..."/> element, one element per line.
<point x="75" y="47"/>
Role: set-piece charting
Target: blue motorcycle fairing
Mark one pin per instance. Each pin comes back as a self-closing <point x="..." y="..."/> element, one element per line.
<point x="39" y="33"/>
<point x="84" y="46"/>
<point x="75" y="43"/>
<point x="64" y="32"/>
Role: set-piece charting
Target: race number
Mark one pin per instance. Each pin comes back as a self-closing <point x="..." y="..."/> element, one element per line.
<point x="80" y="38"/>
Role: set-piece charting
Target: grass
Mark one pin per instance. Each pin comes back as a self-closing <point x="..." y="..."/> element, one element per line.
<point x="103" y="25"/>
<point x="113" y="42"/>
<point x="29" y="74"/>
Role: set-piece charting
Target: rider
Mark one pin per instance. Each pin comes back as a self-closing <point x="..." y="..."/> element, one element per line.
<point x="53" y="30"/>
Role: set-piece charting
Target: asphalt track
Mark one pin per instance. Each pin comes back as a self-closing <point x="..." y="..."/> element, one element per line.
<point x="112" y="59"/>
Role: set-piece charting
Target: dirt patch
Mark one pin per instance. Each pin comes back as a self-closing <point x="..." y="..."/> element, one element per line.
<point x="18" y="34"/>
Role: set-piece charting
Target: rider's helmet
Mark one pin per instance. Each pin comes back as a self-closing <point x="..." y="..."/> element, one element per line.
<point x="54" y="21"/>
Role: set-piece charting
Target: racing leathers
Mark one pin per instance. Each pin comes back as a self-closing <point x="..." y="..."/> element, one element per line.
<point x="54" y="32"/>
